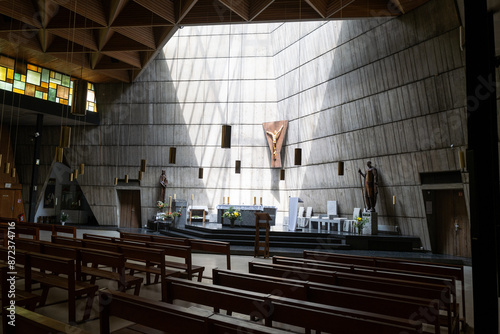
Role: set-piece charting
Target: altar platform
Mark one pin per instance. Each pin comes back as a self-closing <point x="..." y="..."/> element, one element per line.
<point x="241" y="238"/>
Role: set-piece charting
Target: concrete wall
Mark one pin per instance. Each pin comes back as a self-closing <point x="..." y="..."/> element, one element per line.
<point x="387" y="90"/>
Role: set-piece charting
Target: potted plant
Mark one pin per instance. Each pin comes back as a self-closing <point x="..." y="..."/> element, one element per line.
<point x="360" y="224"/>
<point x="64" y="217"/>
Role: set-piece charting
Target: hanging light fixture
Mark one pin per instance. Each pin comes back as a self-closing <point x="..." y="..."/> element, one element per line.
<point x="298" y="151"/>
<point x="65" y="139"/>
<point x="59" y="154"/>
<point x="139" y="177"/>
<point x="81" y="169"/>
<point x="200" y="173"/>
<point x="341" y="168"/>
<point x="172" y="155"/>
<point x="126" y="178"/>
<point x="237" y="167"/>
<point x="298" y="157"/>
<point x="143" y="165"/>
<point x="226" y="129"/>
<point x="282" y="174"/>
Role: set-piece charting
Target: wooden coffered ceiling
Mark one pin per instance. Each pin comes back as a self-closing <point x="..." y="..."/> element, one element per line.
<point x="114" y="40"/>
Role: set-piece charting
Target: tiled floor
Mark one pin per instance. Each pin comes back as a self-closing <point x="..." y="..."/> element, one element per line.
<point x="56" y="306"/>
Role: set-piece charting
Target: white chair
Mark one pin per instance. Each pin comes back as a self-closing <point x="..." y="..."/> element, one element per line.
<point x="307" y="218"/>
<point x="349" y="224"/>
<point x="300" y="217"/>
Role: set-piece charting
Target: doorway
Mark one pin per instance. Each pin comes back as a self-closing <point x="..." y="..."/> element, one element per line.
<point x="130" y="208"/>
<point x="448" y="222"/>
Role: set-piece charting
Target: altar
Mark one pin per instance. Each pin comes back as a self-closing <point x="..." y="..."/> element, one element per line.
<point x="247" y="214"/>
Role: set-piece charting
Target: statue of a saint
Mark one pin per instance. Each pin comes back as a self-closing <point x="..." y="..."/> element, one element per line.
<point x="370" y="186"/>
<point x="163" y="184"/>
<point x="275" y="136"/>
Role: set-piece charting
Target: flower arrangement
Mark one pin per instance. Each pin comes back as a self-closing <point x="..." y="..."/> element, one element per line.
<point x="170" y="215"/>
<point x="231" y="214"/>
<point x="64" y="217"/>
<point x="161" y="205"/>
<point x="360" y="223"/>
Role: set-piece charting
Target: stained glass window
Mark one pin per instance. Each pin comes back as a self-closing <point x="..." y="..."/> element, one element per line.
<point x="41" y="83"/>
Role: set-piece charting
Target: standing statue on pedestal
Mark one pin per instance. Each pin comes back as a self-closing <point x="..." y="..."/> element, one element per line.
<point x="163" y="184"/>
<point x="370" y="189"/>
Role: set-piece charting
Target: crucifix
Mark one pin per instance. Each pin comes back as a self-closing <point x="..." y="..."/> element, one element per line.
<point x="275" y="134"/>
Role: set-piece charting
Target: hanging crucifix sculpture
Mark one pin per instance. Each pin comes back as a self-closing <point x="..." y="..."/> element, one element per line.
<point x="275" y="134"/>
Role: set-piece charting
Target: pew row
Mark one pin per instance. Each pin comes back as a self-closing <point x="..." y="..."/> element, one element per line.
<point x="428" y="268"/>
<point x="275" y="309"/>
<point x="41" y="268"/>
<point x="149" y="315"/>
<point x="176" y="251"/>
<point x="197" y="245"/>
<point x="414" y="308"/>
<point x="30" y="322"/>
<point x="438" y="292"/>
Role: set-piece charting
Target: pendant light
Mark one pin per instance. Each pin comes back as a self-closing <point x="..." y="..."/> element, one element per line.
<point x="226" y="129"/>
<point x="298" y="151"/>
<point x="282" y="174"/>
<point x="200" y="173"/>
<point x="341" y="168"/>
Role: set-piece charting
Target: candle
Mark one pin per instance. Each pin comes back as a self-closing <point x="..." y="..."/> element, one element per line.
<point x="227" y="199"/>
<point x="192" y="197"/>
<point x="175" y="196"/>
<point x="261" y="201"/>
<point x="394" y="200"/>
<point x="169" y="202"/>
<point x="254" y="200"/>
<point x="223" y="200"/>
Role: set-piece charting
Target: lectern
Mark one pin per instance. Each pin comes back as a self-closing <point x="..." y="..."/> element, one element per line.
<point x="261" y="222"/>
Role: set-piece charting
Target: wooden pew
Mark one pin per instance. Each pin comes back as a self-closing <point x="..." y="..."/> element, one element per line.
<point x="54" y="229"/>
<point x="172" y="318"/>
<point x="440" y="293"/>
<point x="92" y="259"/>
<point x="421" y="267"/>
<point x="210" y="246"/>
<point x="36" y="268"/>
<point x="177" y="251"/>
<point x="31" y="322"/>
<point x="424" y="310"/>
<point x="366" y="270"/>
<point x="278" y="309"/>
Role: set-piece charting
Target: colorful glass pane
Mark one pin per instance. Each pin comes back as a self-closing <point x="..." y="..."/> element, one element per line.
<point x="30" y="90"/>
<point x="62" y="92"/>
<point x="19" y="85"/>
<point x="3" y="73"/>
<point x="33" y="77"/>
<point x="5" y="86"/>
<point x="45" y="75"/>
<point x="52" y="94"/>
<point x="32" y="67"/>
<point x="66" y="79"/>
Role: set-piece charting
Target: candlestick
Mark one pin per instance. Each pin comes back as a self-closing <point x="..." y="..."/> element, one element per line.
<point x="192" y="197"/>
<point x="223" y="200"/>
<point x="227" y="199"/>
<point x="261" y="201"/>
<point x="169" y="202"/>
<point x="394" y="200"/>
<point x="254" y="200"/>
<point x="175" y="196"/>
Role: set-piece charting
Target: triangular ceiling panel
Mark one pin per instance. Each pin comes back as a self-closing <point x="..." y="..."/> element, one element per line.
<point x="112" y="41"/>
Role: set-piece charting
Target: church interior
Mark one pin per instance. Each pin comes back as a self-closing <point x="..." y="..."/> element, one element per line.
<point x="235" y="166"/>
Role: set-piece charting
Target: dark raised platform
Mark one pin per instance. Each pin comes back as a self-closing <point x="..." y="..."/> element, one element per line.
<point x="242" y="239"/>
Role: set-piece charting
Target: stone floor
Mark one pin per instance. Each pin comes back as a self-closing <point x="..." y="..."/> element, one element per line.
<point x="56" y="305"/>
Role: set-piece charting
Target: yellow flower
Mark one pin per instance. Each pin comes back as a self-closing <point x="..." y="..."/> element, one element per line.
<point x="359" y="219"/>
<point x="236" y="214"/>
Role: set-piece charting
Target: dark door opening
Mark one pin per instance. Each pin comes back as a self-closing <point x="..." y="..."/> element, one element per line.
<point x="448" y="222"/>
<point x="130" y="208"/>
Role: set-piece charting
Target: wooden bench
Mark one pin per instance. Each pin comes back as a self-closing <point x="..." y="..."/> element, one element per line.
<point x="92" y="259"/>
<point x="54" y="229"/>
<point x="440" y="293"/>
<point x="278" y="309"/>
<point x="31" y="322"/>
<point x="149" y="315"/>
<point x="177" y="251"/>
<point x="197" y="245"/>
<point x="53" y="271"/>
<point x="420" y="309"/>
